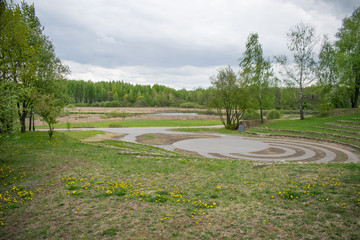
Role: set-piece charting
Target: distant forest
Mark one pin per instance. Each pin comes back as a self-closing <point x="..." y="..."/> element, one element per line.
<point x="121" y="94"/>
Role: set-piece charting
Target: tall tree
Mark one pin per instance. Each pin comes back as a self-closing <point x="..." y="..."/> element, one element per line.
<point x="327" y="73"/>
<point x="16" y="56"/>
<point x="27" y="57"/>
<point x="301" y="71"/>
<point x="348" y="55"/>
<point x="256" y="71"/>
<point x="228" y="97"/>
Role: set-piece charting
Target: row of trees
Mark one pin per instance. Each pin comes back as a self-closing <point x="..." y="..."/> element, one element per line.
<point x="120" y="94"/>
<point x="336" y="74"/>
<point x="30" y="72"/>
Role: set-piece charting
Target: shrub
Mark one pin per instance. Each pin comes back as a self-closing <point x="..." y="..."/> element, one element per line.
<point x="324" y="109"/>
<point x="115" y="125"/>
<point x="81" y="104"/>
<point x="190" y="105"/>
<point x="251" y="114"/>
<point x="115" y="114"/>
<point x="273" y="114"/>
<point x="68" y="126"/>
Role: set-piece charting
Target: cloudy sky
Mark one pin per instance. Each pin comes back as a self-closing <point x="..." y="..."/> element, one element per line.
<point x="177" y="43"/>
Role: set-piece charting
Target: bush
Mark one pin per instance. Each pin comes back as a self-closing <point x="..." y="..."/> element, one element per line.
<point x="115" y="125"/>
<point x="190" y="105"/>
<point x="115" y="114"/>
<point x="81" y="104"/>
<point x="251" y="114"/>
<point x="71" y="106"/>
<point x="324" y="109"/>
<point x="273" y="114"/>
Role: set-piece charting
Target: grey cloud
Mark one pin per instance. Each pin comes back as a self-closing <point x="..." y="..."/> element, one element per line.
<point x="340" y="8"/>
<point x="171" y="34"/>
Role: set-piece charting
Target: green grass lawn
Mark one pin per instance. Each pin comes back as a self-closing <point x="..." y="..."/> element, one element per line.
<point x="137" y="123"/>
<point x="66" y="189"/>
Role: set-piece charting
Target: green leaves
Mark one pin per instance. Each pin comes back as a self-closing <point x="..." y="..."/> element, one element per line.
<point x="27" y="57"/>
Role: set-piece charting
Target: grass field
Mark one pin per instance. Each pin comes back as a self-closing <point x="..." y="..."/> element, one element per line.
<point x="67" y="189"/>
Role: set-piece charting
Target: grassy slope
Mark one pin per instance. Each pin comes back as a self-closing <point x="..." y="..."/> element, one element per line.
<point x="65" y="189"/>
<point x="138" y="123"/>
<point x="308" y="127"/>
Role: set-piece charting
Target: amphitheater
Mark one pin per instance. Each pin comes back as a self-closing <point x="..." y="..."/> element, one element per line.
<point x="213" y="145"/>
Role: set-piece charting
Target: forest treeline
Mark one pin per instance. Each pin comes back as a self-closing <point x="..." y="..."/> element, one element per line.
<point x="121" y="94"/>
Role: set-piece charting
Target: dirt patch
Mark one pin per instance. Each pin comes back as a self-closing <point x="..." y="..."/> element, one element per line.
<point x="106" y="136"/>
<point x="72" y="118"/>
<point x="167" y="139"/>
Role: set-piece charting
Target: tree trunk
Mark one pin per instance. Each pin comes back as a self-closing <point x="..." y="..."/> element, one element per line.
<point x="33" y="117"/>
<point x="301" y="94"/>
<point x="261" y="110"/>
<point x="228" y="119"/>
<point x="22" y="116"/>
<point x="300" y="104"/>
<point x="30" y="118"/>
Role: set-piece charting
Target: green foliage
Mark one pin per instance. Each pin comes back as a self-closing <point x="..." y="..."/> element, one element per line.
<point x="7" y="108"/>
<point x="256" y="72"/>
<point x="229" y="98"/>
<point x="273" y="114"/>
<point x="324" y="109"/>
<point x="190" y="105"/>
<point x="101" y="104"/>
<point x="49" y="108"/>
<point x="348" y="56"/>
<point x="251" y="114"/>
<point x="121" y="94"/>
<point x="68" y="126"/>
<point x="28" y="59"/>
<point x="301" y="42"/>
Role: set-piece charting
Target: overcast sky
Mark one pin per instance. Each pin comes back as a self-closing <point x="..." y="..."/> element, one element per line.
<point x="177" y="43"/>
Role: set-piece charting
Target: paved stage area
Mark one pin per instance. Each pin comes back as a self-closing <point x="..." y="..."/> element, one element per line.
<point x="214" y="145"/>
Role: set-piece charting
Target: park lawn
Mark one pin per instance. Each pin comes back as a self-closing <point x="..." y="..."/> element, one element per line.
<point x="136" y="123"/>
<point x="67" y="189"/>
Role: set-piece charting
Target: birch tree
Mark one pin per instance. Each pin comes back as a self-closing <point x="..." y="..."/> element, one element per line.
<point x="300" y="72"/>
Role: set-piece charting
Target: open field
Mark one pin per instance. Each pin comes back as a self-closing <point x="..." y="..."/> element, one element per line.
<point x="87" y="185"/>
<point x="84" y="115"/>
<point x="137" y="123"/>
<point x="67" y="189"/>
